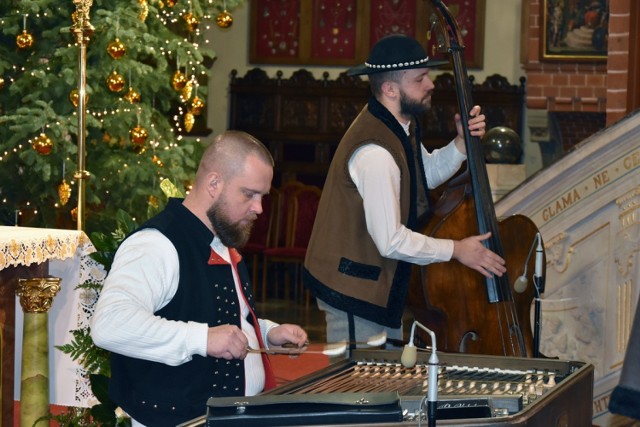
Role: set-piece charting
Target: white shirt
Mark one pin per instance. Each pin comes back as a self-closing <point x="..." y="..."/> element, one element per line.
<point x="377" y="177"/>
<point x="144" y="278"/>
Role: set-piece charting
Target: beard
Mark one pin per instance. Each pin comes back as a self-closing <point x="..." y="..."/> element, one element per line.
<point x="412" y="107"/>
<point x="231" y="234"/>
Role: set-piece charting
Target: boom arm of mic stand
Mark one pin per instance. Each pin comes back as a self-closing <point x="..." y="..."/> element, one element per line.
<point x="409" y="358"/>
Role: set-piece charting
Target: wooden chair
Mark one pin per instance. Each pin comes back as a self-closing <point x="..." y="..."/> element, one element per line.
<point x="278" y="231"/>
<point x="301" y="212"/>
<point x="262" y="234"/>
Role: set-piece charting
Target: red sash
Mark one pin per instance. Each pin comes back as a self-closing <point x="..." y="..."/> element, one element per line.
<point x="215" y="259"/>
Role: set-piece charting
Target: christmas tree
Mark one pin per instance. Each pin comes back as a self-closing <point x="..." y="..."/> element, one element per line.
<point x="147" y="63"/>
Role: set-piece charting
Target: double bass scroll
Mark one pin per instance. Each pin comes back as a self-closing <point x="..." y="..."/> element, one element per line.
<point x="469" y="312"/>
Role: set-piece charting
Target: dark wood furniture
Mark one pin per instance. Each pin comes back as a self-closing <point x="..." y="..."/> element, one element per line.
<point x="302" y="119"/>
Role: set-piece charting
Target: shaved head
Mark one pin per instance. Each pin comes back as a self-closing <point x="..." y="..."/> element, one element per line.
<point x="234" y="174"/>
<point x="228" y="153"/>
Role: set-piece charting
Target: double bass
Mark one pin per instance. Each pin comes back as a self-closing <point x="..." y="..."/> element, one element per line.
<point x="468" y="312"/>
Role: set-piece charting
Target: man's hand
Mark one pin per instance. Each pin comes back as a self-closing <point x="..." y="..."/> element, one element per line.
<point x="227" y="342"/>
<point x="476" y="125"/>
<point x="288" y="334"/>
<point x="472" y="253"/>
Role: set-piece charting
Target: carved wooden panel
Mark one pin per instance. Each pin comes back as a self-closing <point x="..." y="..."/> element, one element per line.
<point x="302" y="119"/>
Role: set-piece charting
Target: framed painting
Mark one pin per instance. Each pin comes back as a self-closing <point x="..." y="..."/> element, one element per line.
<point x="341" y="32"/>
<point x="575" y="30"/>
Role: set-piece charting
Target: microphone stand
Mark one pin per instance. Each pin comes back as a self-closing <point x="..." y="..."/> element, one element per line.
<point x="538" y="283"/>
<point x="520" y="285"/>
<point x="536" y="321"/>
<point x="408" y="359"/>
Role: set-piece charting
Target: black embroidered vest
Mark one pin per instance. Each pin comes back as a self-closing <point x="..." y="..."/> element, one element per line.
<point x="157" y="394"/>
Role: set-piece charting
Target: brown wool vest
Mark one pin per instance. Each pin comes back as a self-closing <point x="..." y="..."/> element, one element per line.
<point x="341" y="255"/>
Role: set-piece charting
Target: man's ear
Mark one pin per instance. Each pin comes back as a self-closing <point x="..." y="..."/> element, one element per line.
<point x="389" y="88"/>
<point x="213" y="183"/>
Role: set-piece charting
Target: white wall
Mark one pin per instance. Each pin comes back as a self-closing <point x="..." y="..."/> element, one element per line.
<point x="501" y="54"/>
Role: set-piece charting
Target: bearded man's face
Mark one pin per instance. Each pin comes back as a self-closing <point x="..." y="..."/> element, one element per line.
<point x="233" y="234"/>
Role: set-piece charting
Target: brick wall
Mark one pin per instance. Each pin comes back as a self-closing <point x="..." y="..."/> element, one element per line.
<point x="578" y="86"/>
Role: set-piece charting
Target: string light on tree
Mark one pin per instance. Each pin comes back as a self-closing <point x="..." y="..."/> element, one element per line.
<point x="44" y="68"/>
<point x="156" y="160"/>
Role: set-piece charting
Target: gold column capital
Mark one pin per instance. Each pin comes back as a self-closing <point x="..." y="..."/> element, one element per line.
<point x="36" y="294"/>
<point x="82" y="27"/>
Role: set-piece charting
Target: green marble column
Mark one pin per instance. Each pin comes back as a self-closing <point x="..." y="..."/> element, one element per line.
<point x="36" y="296"/>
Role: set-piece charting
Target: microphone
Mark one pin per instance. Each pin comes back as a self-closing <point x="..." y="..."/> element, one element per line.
<point x="538" y="277"/>
<point x="408" y="360"/>
<point x="520" y="284"/>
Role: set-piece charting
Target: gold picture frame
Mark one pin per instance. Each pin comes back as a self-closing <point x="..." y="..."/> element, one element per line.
<point x="575" y="30"/>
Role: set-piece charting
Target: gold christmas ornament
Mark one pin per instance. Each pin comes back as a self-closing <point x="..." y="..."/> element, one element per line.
<point x="115" y="82"/>
<point x="144" y="10"/>
<point x="133" y="96"/>
<point x="153" y="201"/>
<point x="178" y="80"/>
<point x="189" y="120"/>
<point x="191" y="20"/>
<point x="138" y="135"/>
<point x="1" y="83"/>
<point x="64" y="192"/>
<point x="116" y="49"/>
<point x="187" y="91"/>
<point x="74" y="98"/>
<point x="171" y="3"/>
<point x="197" y="105"/>
<point x="24" y="40"/>
<point x="224" y="19"/>
<point x="42" y="144"/>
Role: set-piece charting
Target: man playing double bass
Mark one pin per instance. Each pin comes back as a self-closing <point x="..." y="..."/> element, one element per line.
<point x="365" y="235"/>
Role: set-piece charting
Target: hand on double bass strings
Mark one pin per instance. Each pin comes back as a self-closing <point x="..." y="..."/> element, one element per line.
<point x="472" y="253"/>
<point x="477" y="126"/>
